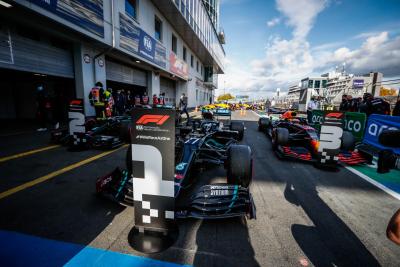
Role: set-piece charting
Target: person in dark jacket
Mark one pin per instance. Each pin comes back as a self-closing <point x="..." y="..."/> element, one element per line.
<point x="344" y="104"/>
<point x="396" y="110"/>
<point x="120" y="101"/>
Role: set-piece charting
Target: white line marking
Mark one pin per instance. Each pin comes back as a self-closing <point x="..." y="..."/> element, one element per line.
<point x="372" y="181"/>
<point x="255" y="113"/>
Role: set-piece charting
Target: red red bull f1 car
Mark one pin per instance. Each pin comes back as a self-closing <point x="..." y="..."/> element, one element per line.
<point x="296" y="140"/>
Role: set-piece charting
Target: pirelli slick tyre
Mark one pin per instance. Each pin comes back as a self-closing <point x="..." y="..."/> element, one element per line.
<point x="280" y="137"/>
<point x="240" y="165"/>
<point x="239" y="127"/>
<point x="263" y="124"/>
<point x="348" y="141"/>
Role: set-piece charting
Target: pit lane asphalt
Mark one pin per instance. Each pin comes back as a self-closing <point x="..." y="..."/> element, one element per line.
<point x="303" y="214"/>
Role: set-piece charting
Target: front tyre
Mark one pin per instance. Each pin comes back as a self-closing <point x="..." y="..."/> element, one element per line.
<point x="240" y="165"/>
<point x="239" y="127"/>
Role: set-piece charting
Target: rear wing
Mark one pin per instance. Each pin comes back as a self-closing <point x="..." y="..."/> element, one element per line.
<point x="220" y="112"/>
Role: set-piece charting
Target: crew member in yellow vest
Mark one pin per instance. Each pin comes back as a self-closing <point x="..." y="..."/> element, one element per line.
<point x="109" y="102"/>
<point x="96" y="98"/>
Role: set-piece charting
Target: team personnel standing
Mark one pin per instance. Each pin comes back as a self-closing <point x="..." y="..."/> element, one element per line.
<point x="396" y="110"/>
<point x="183" y="106"/>
<point x="138" y="101"/>
<point x="145" y="99"/>
<point x="120" y="102"/>
<point x="161" y="99"/>
<point x="96" y="98"/>
<point x="155" y="100"/>
<point x="267" y="106"/>
<point x="109" y="102"/>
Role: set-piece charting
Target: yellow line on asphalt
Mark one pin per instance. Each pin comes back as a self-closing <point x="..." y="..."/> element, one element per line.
<point x="54" y="174"/>
<point x="27" y="153"/>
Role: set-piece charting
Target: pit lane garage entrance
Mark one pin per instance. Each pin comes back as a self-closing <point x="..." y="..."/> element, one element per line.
<point x="29" y="59"/>
<point x="168" y="87"/>
<point x="122" y="77"/>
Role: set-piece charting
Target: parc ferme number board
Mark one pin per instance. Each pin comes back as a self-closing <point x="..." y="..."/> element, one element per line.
<point x="76" y="118"/>
<point x="330" y="139"/>
<point x="153" y="167"/>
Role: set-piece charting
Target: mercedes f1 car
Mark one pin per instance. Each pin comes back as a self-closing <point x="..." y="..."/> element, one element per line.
<point x="198" y="149"/>
<point x="99" y="134"/>
<point x="296" y="140"/>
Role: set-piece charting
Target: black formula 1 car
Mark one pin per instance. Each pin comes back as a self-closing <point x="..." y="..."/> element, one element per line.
<point x="297" y="140"/>
<point x="198" y="149"/>
<point x="99" y="134"/>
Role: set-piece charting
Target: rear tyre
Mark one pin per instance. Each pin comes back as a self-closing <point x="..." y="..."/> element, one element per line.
<point x="239" y="127"/>
<point x="281" y="136"/>
<point x="348" y="141"/>
<point x="240" y="169"/>
<point x="263" y="124"/>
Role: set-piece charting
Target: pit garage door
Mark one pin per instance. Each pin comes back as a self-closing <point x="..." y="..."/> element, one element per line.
<point x="123" y="74"/>
<point x="23" y="50"/>
<point x="168" y="87"/>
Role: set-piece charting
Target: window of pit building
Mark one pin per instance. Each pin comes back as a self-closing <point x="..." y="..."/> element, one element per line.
<point x="197" y="66"/>
<point x="310" y="83"/>
<point x="184" y="53"/>
<point x="201" y="69"/>
<point x="191" y="61"/>
<point x="131" y="8"/>
<point x="174" y="43"/>
<point x="157" y="28"/>
<point x="317" y="84"/>
<point x="324" y="83"/>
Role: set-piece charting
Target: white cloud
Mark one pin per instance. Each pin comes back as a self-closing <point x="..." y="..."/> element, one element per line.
<point x="273" y="22"/>
<point x="287" y="61"/>
<point x="301" y="14"/>
<point x="377" y="53"/>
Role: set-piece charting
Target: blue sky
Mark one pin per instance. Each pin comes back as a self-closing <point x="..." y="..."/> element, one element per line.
<point x="275" y="43"/>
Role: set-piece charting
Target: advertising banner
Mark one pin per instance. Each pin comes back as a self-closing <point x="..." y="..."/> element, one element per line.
<point x="137" y="41"/>
<point x="153" y="165"/>
<point x="358" y="84"/>
<point x="378" y="123"/>
<point x="87" y="14"/>
<point x="316" y="118"/>
<point x="178" y="66"/>
<point x="354" y="122"/>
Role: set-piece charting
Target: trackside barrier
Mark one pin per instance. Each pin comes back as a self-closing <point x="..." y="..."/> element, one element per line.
<point x="378" y="123"/>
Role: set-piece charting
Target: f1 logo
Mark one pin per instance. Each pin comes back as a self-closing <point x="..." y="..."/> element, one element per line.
<point x="157" y="119"/>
